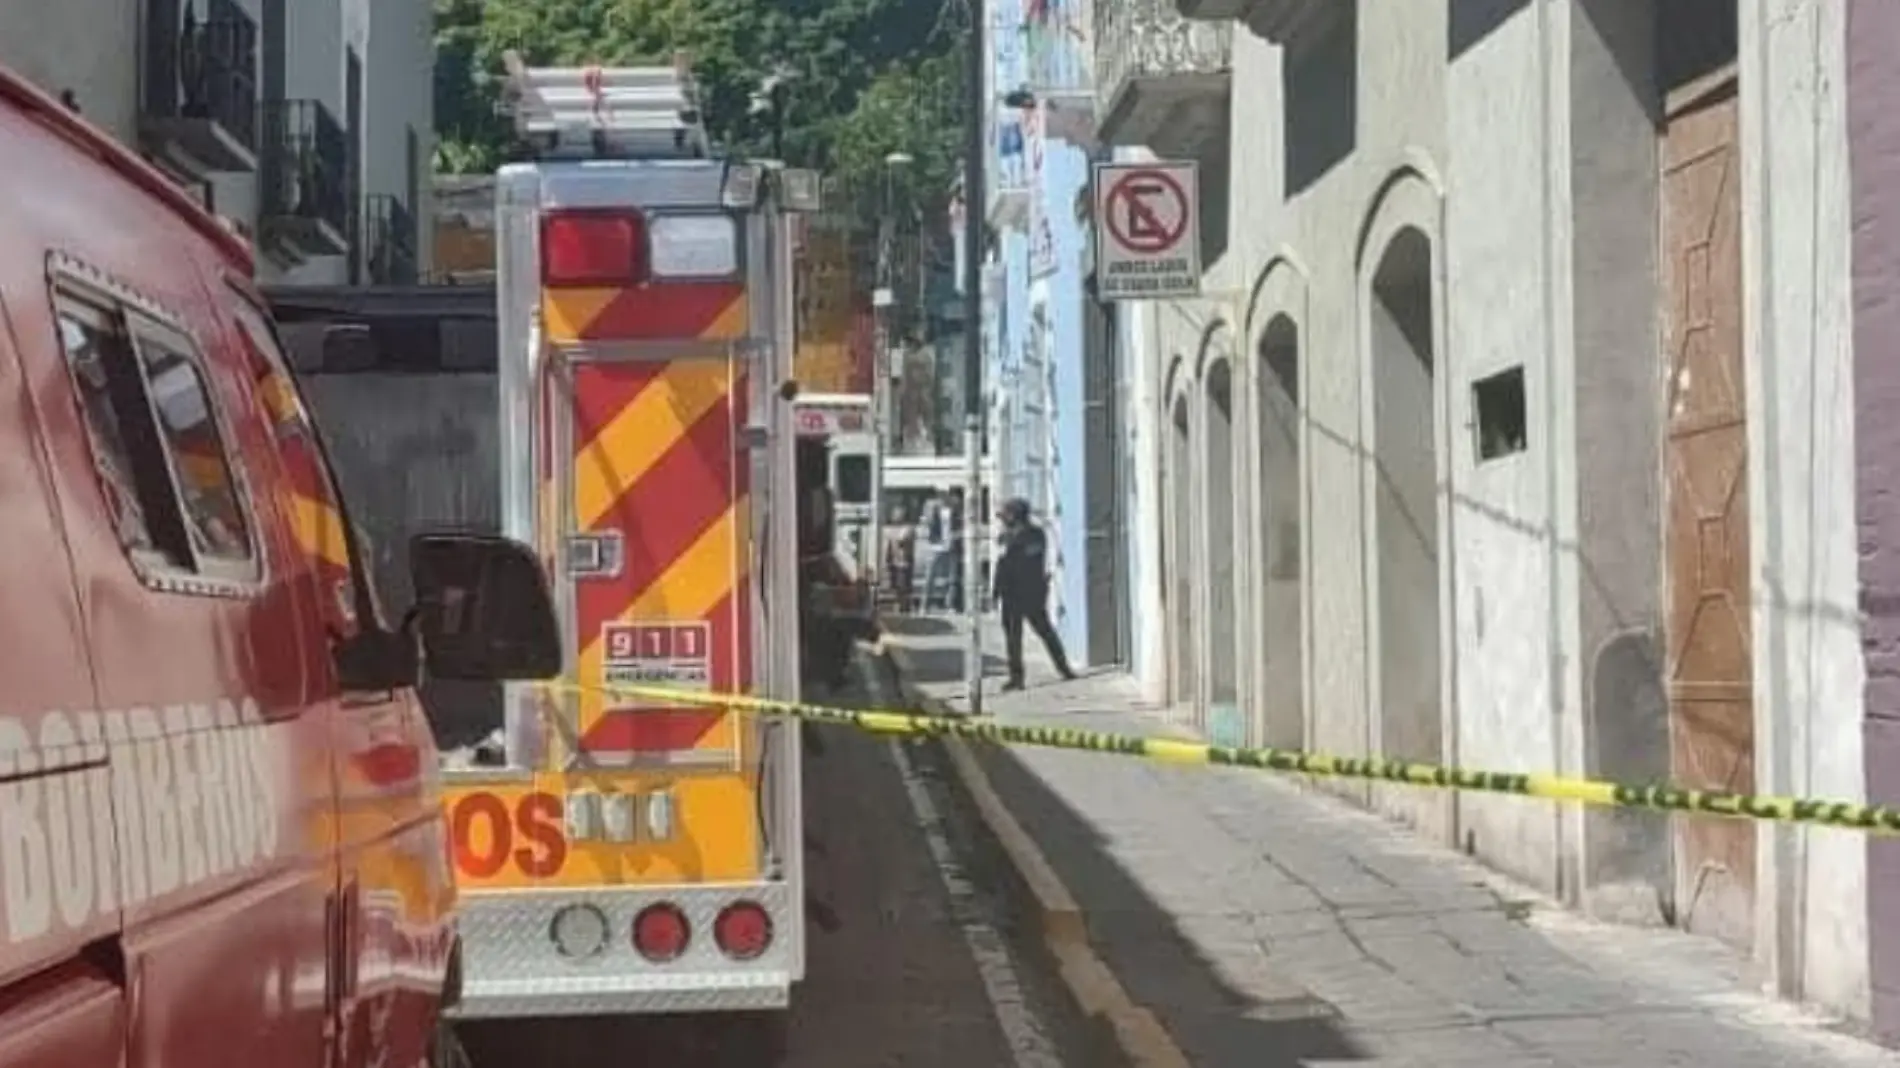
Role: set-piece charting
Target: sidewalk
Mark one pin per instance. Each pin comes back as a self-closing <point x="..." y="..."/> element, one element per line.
<point x="1266" y="924"/>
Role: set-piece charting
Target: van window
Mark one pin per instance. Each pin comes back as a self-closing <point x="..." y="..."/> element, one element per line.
<point x="164" y="472"/>
<point x="201" y="467"/>
<point x="854" y="479"/>
<point x="93" y="349"/>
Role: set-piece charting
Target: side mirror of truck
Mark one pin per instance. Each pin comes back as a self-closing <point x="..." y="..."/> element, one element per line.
<point x="483" y="610"/>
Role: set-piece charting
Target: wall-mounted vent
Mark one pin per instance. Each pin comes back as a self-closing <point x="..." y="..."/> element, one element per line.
<point x="1497" y="404"/>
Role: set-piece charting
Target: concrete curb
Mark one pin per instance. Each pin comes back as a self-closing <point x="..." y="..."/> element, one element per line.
<point x="1138" y="1032"/>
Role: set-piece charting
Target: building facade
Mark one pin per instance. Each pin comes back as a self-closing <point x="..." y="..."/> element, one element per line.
<point x="307" y="125"/>
<point x="1057" y="425"/>
<point x="1519" y="426"/>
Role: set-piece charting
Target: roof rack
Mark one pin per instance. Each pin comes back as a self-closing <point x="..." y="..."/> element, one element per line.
<point x="607" y="112"/>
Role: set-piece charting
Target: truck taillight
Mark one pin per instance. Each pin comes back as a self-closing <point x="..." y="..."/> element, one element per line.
<point x="661" y="932"/>
<point x="593" y="248"/>
<point x="743" y="931"/>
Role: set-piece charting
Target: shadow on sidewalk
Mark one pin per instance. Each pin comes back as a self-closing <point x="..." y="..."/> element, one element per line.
<point x="1215" y="1025"/>
<point x="911" y="626"/>
<point x="939" y="662"/>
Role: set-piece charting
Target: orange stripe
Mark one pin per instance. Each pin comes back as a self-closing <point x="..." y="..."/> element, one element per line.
<point x="318" y="530"/>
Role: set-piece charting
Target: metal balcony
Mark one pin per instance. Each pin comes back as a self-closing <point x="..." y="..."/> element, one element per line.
<point x="1059" y="69"/>
<point x="1057" y="60"/>
<point x="199" y="110"/>
<point x="1163" y="81"/>
<point x="390" y="233"/>
<point x="304" y="194"/>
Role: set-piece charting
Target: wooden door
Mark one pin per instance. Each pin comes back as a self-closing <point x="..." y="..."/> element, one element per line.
<point x="1705" y="525"/>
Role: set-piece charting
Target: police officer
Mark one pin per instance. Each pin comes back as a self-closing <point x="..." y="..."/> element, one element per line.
<point x="1021" y="588"/>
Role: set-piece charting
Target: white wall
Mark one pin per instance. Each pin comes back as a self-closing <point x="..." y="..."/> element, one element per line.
<point x="394" y="41"/>
<point x="88" y="46"/>
<point x="1475" y="152"/>
<point x="1812" y="884"/>
<point x="399" y="89"/>
<point x="314" y="33"/>
<point x="1505" y="260"/>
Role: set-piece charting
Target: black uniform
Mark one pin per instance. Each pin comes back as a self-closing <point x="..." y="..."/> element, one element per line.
<point x="1022" y="591"/>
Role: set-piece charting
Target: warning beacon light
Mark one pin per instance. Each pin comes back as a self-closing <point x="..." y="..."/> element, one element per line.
<point x="593" y="248"/>
<point x="616" y="247"/>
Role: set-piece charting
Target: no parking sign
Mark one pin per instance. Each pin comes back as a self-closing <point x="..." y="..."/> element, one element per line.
<point x="1147" y="230"/>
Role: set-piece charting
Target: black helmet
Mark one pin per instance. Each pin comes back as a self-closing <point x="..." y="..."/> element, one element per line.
<point x="1015" y="510"/>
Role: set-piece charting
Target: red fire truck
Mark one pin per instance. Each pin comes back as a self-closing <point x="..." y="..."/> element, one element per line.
<point x="222" y="839"/>
<point x="623" y="854"/>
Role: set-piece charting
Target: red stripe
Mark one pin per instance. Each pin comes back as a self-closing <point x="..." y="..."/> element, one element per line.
<point x="603" y="391"/>
<point x="660" y="517"/>
<point x="663" y="310"/>
<point x="649" y="730"/>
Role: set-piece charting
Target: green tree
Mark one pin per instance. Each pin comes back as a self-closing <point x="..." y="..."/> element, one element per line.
<point x="868" y="77"/>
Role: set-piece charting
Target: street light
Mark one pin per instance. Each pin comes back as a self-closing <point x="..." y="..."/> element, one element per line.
<point x="975" y="207"/>
<point x="883" y="301"/>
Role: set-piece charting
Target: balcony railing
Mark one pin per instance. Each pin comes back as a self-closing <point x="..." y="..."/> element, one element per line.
<point x="1057" y="56"/>
<point x="304" y="202"/>
<point x="201" y="85"/>
<point x="391" y="230"/>
<point x="1161" y="77"/>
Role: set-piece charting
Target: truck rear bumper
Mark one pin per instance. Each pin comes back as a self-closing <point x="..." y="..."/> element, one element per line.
<point x="616" y="995"/>
<point x="512" y="967"/>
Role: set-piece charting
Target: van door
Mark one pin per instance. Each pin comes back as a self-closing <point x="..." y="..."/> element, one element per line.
<point x="78" y="1013"/>
<point x="394" y="893"/>
<point x="216" y="771"/>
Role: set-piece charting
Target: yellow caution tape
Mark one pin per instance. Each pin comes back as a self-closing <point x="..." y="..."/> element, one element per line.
<point x="1874" y="819"/>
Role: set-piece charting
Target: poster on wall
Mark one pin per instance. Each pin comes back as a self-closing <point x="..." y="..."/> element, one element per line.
<point x="1147" y="230"/>
<point x="1042" y="246"/>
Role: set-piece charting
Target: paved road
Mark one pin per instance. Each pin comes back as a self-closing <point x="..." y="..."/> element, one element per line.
<point x="917" y="955"/>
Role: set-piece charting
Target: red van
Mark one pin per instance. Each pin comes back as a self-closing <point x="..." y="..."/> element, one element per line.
<point x="221" y="836"/>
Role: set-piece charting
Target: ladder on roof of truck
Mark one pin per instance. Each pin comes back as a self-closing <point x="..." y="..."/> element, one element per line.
<point x="607" y="112"/>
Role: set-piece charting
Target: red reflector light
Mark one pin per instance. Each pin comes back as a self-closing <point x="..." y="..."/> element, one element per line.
<point x="661" y="933"/>
<point x="743" y="931"/>
<point x="593" y="248"/>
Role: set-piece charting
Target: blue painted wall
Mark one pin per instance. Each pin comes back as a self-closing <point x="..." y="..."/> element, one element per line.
<point x="1064" y="173"/>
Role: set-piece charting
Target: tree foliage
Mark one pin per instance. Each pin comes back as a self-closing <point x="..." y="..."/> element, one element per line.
<point x="867" y="77"/>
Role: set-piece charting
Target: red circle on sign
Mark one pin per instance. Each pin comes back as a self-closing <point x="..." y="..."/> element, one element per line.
<point x="1123" y="193"/>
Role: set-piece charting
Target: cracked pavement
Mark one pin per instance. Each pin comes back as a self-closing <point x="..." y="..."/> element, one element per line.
<point x="1266" y="923"/>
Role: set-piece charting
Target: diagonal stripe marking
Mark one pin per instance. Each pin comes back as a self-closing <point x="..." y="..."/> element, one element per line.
<point x="698" y="582"/>
<point x="568" y="313"/>
<point x="664" y="513"/>
<point x="644" y="430"/>
<point x="695" y="584"/>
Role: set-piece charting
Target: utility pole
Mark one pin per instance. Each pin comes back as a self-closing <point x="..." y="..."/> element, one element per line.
<point x="975" y="208"/>
<point x="884" y="302"/>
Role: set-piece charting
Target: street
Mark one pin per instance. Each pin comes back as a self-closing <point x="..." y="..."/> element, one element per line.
<point x="918" y="955"/>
